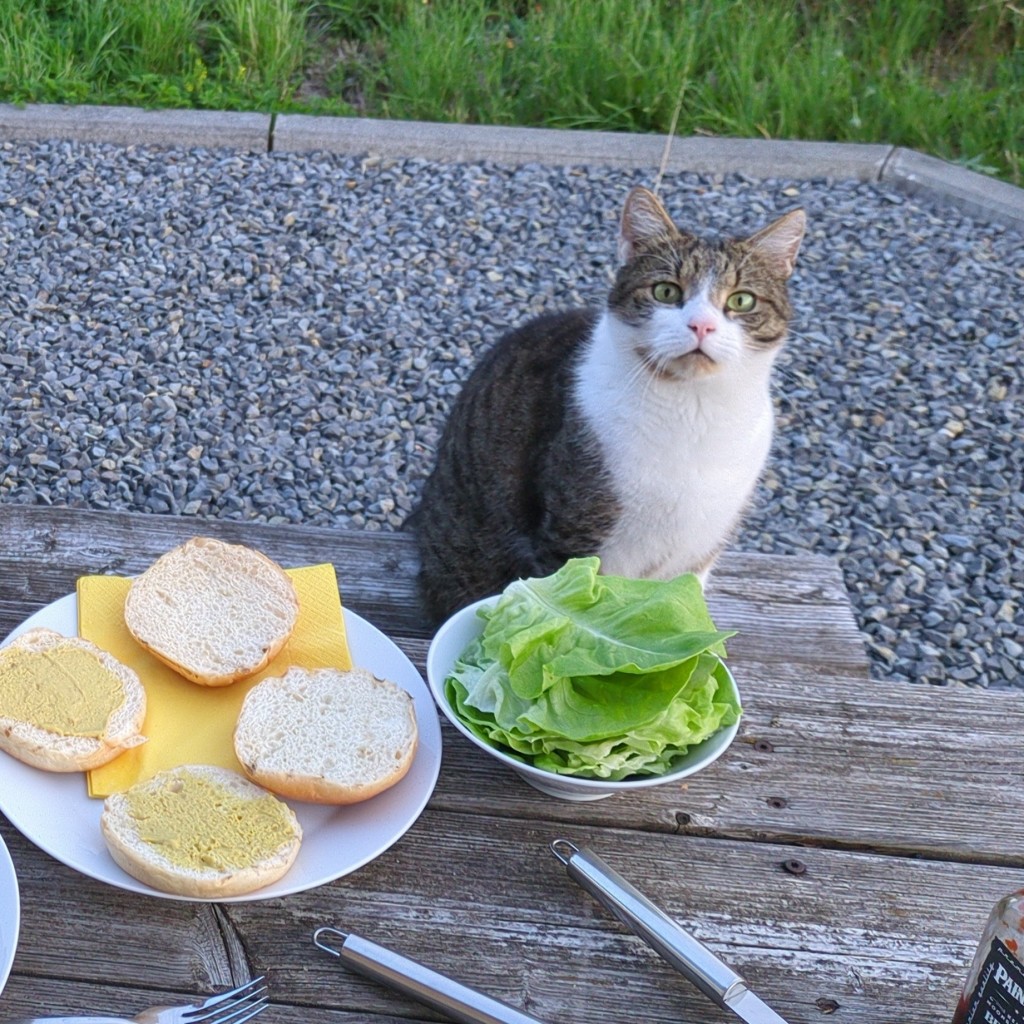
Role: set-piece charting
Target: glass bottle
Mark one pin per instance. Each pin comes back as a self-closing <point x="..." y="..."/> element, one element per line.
<point x="994" y="992"/>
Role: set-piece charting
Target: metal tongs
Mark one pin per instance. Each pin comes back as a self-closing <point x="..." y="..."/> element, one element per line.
<point x="715" y="978"/>
<point x="712" y="976"/>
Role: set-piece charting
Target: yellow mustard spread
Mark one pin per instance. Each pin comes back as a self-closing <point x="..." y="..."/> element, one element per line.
<point x="196" y="823"/>
<point x="65" y="690"/>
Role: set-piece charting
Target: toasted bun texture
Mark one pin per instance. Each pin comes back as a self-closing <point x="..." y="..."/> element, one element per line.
<point x="86" y="706"/>
<point x="213" y="612"/>
<point x="326" y="736"/>
<point x="201" y="832"/>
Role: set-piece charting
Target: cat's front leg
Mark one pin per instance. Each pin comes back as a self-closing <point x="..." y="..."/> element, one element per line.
<point x="575" y="508"/>
<point x="572" y="530"/>
<point x="530" y="560"/>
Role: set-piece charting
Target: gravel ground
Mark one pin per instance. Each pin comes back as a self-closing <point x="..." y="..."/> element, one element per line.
<point x="279" y="337"/>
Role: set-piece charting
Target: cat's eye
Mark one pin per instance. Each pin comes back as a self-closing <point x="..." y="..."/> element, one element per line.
<point x="667" y="292"/>
<point x="741" y="302"/>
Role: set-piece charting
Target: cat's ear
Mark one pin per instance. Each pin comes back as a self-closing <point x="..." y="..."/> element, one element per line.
<point x="779" y="243"/>
<point x="643" y="220"/>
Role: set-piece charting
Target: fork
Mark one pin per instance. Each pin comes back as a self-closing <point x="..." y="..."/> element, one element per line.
<point x="231" y="1007"/>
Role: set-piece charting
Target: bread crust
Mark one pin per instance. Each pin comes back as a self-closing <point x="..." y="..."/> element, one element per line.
<point x="59" y="752"/>
<point x="214" y="612"/>
<point x="295" y="735"/>
<point x="147" y="864"/>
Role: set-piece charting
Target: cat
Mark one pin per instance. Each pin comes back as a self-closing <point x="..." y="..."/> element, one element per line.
<point x="636" y="432"/>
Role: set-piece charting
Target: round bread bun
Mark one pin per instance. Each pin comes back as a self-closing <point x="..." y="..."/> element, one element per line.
<point x="326" y="736"/>
<point x="213" y="612"/>
<point x="201" y="832"/>
<point x="43" y="660"/>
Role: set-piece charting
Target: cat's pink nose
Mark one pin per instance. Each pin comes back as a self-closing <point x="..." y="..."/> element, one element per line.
<point x="702" y="326"/>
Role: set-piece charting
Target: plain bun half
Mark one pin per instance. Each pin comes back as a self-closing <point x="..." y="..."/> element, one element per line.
<point x="326" y="735"/>
<point x="214" y="612"/>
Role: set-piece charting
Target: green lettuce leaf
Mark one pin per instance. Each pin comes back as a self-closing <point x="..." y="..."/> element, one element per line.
<point x="598" y="676"/>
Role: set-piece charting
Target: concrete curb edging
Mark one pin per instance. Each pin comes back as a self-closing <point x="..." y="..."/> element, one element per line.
<point x="131" y="126"/>
<point x="977" y="195"/>
<point x="456" y="142"/>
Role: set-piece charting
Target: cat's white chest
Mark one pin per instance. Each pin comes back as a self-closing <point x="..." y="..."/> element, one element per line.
<point x="684" y="455"/>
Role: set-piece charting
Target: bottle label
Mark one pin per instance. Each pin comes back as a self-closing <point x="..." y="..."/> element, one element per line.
<point x="999" y="994"/>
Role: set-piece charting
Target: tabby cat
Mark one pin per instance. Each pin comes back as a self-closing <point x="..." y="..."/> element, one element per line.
<point x="636" y="433"/>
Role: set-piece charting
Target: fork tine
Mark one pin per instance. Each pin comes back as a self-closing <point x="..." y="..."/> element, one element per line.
<point x="240" y="992"/>
<point x="224" y="1007"/>
<point x="247" y="1013"/>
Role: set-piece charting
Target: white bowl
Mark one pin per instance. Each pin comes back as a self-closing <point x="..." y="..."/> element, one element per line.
<point x="448" y="644"/>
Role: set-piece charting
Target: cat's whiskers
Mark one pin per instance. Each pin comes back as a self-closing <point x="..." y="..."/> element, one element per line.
<point x="661" y="370"/>
<point x="785" y="373"/>
<point x="782" y="369"/>
<point x="796" y="334"/>
<point x="655" y="367"/>
<point x="643" y="373"/>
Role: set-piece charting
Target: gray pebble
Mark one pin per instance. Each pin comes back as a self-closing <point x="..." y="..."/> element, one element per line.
<point x="280" y="337"/>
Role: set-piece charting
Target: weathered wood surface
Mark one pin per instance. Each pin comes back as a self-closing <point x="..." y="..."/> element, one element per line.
<point x="902" y="805"/>
<point x="44" y="550"/>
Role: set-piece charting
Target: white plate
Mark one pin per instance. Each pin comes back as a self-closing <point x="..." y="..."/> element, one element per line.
<point x="54" y="811"/>
<point x="10" y="914"/>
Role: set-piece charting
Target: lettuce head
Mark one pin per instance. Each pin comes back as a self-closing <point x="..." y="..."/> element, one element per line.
<point x="597" y="676"/>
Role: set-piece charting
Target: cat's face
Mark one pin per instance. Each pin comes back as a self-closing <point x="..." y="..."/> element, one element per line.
<point x="693" y="306"/>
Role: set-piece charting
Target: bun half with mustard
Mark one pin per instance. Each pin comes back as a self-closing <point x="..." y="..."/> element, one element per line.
<point x="325" y="735"/>
<point x="65" y="704"/>
<point x="214" y="612"/>
<point x="201" y="832"/>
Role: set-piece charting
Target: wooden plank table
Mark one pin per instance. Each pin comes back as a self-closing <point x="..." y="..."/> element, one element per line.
<point x="843" y="854"/>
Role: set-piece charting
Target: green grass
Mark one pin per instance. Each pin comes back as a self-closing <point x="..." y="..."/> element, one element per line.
<point x="940" y="76"/>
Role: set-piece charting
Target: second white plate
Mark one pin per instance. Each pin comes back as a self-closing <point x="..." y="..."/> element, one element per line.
<point x="10" y="914"/>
